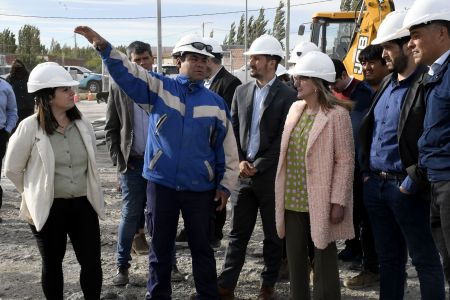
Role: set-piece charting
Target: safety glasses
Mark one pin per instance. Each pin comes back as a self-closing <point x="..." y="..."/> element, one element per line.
<point x="200" y="46"/>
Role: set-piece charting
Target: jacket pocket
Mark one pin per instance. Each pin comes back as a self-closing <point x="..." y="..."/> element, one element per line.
<point x="210" y="170"/>
<point x="155" y="159"/>
<point x="160" y="123"/>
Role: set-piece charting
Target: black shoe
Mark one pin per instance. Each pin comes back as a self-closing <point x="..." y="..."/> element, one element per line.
<point x="356" y="264"/>
<point x="347" y="254"/>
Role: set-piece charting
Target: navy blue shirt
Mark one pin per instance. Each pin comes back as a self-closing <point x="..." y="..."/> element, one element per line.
<point x="384" y="152"/>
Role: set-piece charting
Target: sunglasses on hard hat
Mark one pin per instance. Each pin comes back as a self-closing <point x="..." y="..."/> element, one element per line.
<point x="200" y="46"/>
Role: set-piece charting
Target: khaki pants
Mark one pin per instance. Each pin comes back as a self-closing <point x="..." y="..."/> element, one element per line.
<point x="326" y="273"/>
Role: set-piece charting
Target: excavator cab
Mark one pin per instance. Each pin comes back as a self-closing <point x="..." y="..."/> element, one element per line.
<point x="342" y="35"/>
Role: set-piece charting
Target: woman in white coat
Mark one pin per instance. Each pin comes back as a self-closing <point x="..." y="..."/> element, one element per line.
<point x="51" y="161"/>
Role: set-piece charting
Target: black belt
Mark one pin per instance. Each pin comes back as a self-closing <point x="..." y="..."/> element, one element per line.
<point x="389" y="176"/>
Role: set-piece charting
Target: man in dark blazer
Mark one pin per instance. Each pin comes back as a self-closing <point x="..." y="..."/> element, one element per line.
<point x="258" y="112"/>
<point x="223" y="83"/>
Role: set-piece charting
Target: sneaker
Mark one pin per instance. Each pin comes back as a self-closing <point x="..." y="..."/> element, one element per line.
<point x="121" y="277"/>
<point x="176" y="275"/>
<point x="362" y="280"/>
<point x="140" y="245"/>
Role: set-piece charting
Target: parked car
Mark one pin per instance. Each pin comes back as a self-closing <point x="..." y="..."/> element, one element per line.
<point x="167" y="69"/>
<point x="88" y="80"/>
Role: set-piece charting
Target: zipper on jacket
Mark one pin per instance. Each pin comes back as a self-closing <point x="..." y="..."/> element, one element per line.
<point x="155" y="159"/>
<point x="210" y="170"/>
<point x="160" y="123"/>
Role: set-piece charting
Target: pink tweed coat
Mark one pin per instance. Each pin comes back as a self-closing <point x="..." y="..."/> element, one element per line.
<point x="329" y="163"/>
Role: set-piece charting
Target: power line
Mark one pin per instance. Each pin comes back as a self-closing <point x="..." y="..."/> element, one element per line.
<point x="164" y="17"/>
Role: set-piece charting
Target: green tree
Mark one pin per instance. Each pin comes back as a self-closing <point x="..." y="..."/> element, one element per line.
<point x="279" y="28"/>
<point x="7" y="42"/>
<point x="240" y="38"/>
<point x="349" y="5"/>
<point x="260" y="24"/>
<point x="55" y="48"/>
<point x="29" y="47"/>
<point x="232" y="35"/>
<point x="250" y="30"/>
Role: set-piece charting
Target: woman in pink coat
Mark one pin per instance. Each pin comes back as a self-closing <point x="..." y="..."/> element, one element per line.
<point x="313" y="187"/>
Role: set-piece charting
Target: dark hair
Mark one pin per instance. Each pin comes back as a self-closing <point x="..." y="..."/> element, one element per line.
<point x="215" y="59"/>
<point x="372" y="52"/>
<point x="138" y="47"/>
<point x="45" y="116"/>
<point x="18" y="70"/>
<point x="402" y="41"/>
<point x="338" y="67"/>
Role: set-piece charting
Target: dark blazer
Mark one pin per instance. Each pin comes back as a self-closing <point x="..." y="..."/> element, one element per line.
<point x="409" y="130"/>
<point x="224" y="84"/>
<point x="276" y="107"/>
<point x="119" y="126"/>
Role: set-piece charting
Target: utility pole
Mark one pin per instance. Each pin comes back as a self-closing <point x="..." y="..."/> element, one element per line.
<point x="287" y="30"/>
<point x="245" y="39"/>
<point x="159" y="51"/>
<point x="203" y="27"/>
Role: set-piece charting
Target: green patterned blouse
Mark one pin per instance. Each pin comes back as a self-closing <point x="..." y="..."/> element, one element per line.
<point x="296" y="195"/>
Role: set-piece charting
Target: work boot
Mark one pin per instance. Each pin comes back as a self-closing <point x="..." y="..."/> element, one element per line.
<point x="140" y="245"/>
<point x="266" y="293"/>
<point x="121" y="277"/>
<point x="176" y="275"/>
<point x="226" y="294"/>
<point x="362" y="280"/>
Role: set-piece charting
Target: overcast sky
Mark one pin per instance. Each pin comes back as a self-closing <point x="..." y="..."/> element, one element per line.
<point x="176" y="20"/>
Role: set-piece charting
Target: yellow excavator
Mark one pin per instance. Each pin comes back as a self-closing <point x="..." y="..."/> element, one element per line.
<point x="344" y="34"/>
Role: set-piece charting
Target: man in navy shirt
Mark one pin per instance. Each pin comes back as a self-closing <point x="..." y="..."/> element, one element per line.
<point x="398" y="203"/>
<point x="429" y="25"/>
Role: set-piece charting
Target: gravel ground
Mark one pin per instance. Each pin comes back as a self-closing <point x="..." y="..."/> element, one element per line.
<point x="20" y="261"/>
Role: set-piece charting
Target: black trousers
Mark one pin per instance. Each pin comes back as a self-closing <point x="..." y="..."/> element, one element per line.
<point x="4" y="137"/>
<point x="253" y="195"/>
<point x="77" y="219"/>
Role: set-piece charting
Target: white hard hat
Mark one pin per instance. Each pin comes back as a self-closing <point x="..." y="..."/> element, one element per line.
<point x="216" y="47"/>
<point x="281" y="70"/>
<point x="192" y="43"/>
<point x="301" y="49"/>
<point x="391" y="28"/>
<point x="266" y="45"/>
<point x="315" y="64"/>
<point x="423" y="11"/>
<point x="49" y="75"/>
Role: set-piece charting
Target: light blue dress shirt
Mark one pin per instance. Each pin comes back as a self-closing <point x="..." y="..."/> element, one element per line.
<point x="258" y="103"/>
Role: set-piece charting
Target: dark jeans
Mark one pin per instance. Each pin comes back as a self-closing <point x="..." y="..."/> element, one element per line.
<point x="4" y="137"/>
<point x="134" y="199"/>
<point x="76" y="218"/>
<point x="400" y="222"/>
<point x="163" y="209"/>
<point x="252" y="195"/>
<point x="440" y="221"/>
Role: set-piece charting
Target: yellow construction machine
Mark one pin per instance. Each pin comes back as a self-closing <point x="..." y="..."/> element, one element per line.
<point x="344" y="34"/>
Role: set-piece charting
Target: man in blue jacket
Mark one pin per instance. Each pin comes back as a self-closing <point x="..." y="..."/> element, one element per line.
<point x="190" y="161"/>
<point x="429" y="25"/>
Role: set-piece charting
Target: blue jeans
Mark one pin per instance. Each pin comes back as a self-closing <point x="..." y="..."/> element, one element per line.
<point x="400" y="222"/>
<point x="163" y="209"/>
<point x="134" y="199"/>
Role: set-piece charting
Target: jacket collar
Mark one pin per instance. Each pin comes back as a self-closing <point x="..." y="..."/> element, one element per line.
<point x="191" y="86"/>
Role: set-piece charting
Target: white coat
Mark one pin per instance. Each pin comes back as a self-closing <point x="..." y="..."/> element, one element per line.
<point x="30" y="165"/>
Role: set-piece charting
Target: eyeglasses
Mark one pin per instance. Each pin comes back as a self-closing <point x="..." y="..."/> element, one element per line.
<point x="200" y="46"/>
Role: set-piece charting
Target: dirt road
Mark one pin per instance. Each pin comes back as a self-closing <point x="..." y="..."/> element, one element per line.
<point x="20" y="263"/>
